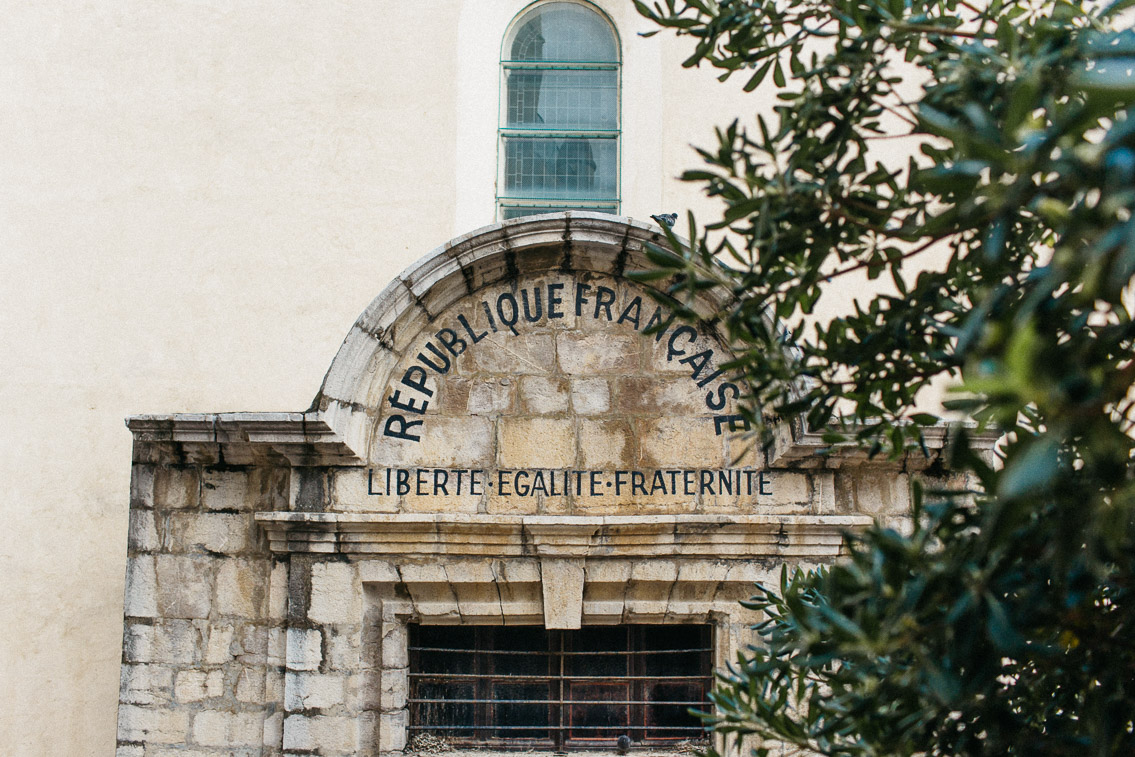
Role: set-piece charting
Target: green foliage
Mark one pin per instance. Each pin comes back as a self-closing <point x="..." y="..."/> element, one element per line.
<point x="1005" y="623"/>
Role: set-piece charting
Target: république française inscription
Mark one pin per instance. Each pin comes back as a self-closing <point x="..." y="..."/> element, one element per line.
<point x="447" y="482"/>
<point x="510" y="311"/>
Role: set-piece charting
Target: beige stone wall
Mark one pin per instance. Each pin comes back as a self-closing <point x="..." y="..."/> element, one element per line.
<point x="204" y="604"/>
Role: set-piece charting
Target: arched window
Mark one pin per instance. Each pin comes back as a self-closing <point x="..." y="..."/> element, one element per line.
<point x="559" y="124"/>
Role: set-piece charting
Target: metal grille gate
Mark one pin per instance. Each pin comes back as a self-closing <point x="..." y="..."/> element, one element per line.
<point x="524" y="686"/>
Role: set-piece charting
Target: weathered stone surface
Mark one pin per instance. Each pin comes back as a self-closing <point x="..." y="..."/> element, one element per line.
<point x="356" y="489"/>
<point x="882" y="495"/>
<point x="228" y="729"/>
<point x="145" y="684"/>
<point x="219" y="647"/>
<point x="250" y="685"/>
<point x="446" y="442"/>
<point x="325" y="733"/>
<point x="342" y="648"/>
<point x="274" y="730"/>
<point x="544" y="395"/>
<point x="153" y="725"/>
<point x="377" y="571"/>
<point x="536" y="442"/>
<point x="142" y="486"/>
<point x="305" y="649"/>
<point x="225" y="490"/>
<point x="679" y="442"/>
<point x="394" y="643"/>
<point x="491" y="397"/>
<point x="225" y="533"/>
<point x="141" y="587"/>
<point x="175" y="487"/>
<point x="239" y="589"/>
<point x="334" y="594"/>
<point x="590" y="396"/>
<point x="394" y="689"/>
<point x="451" y="395"/>
<point x="184" y="585"/>
<point x="505" y="354"/>
<point x="308" y="691"/>
<point x="605" y="444"/>
<point x="392" y="731"/>
<point x="167" y="641"/>
<point x="562" y="583"/>
<point x="195" y="685"/>
<point x="143" y="535"/>
<point x="278" y="592"/>
<point x="602" y="352"/>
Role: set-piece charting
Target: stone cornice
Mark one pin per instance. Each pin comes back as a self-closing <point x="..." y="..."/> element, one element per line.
<point x="243" y="438"/>
<point x="796" y="446"/>
<point x="681" y="536"/>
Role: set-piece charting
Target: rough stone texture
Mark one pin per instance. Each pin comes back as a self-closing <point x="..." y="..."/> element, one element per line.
<point x="145" y="684"/>
<point x="678" y="442"/>
<point x="451" y="442"/>
<point x="237" y="644"/>
<point x="544" y="395"/>
<point x="334" y="596"/>
<point x="562" y="582"/>
<point x="590" y="396"/>
<point x="590" y="354"/>
<point x="141" y="587"/>
<point x="228" y="729"/>
<point x="327" y="734"/>
<point x="195" y="685"/>
<point x="491" y="397"/>
<point x="606" y="444"/>
<point x="536" y="442"/>
<point x="152" y="725"/>
<point x="305" y="649"/>
<point x="143" y="536"/>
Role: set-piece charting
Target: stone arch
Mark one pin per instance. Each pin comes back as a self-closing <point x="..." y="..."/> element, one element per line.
<point x="566" y="242"/>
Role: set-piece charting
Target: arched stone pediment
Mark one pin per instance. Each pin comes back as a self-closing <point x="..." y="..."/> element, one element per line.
<point x="528" y="319"/>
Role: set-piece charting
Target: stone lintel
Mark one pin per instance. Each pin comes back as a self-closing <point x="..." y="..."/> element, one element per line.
<point x="244" y="438"/>
<point x="427" y="535"/>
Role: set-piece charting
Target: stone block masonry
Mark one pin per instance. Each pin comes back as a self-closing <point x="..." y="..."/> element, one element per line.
<point x="513" y="433"/>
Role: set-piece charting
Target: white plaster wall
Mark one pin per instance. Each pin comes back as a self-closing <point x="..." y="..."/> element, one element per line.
<point x="197" y="198"/>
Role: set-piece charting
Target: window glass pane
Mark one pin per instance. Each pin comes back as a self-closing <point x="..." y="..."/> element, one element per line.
<point x="564" y="32"/>
<point x="559" y="169"/>
<point x="540" y="99"/>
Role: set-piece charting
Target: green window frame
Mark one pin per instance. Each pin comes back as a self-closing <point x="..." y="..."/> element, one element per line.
<point x="559" y="134"/>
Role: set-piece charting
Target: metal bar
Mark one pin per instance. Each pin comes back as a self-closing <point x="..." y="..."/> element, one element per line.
<point x="551" y="131"/>
<point x="560" y="712"/>
<point x="615" y="653"/>
<point x="683" y="729"/>
<point x="561" y="134"/>
<point x="606" y="679"/>
<point x="581" y="65"/>
<point x="659" y="702"/>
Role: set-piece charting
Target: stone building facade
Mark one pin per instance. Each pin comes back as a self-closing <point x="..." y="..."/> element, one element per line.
<point x="498" y="443"/>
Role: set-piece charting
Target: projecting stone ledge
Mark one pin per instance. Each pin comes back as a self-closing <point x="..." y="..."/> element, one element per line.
<point x="721" y="536"/>
<point x="239" y="438"/>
